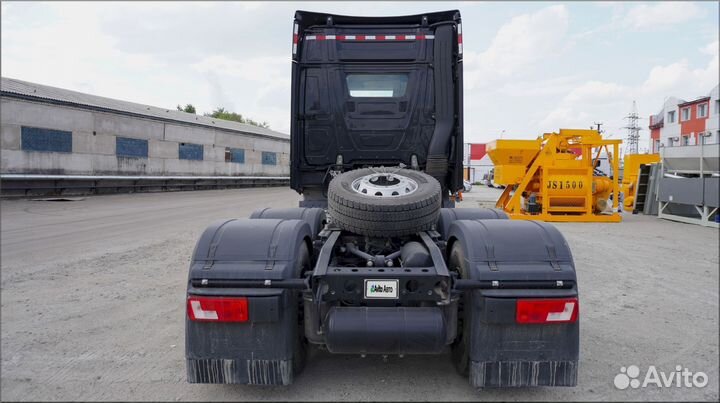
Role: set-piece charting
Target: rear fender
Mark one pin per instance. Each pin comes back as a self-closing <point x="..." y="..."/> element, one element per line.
<point x="450" y="215"/>
<point x="247" y="249"/>
<point x="507" y="250"/>
<point x="315" y="217"/>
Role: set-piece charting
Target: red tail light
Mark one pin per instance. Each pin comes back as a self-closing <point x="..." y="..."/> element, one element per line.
<point x="217" y="309"/>
<point x="563" y="310"/>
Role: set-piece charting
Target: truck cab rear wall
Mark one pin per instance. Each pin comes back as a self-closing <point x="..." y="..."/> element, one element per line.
<point x="335" y="121"/>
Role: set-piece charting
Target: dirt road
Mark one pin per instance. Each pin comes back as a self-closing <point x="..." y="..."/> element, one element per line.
<point x="93" y="306"/>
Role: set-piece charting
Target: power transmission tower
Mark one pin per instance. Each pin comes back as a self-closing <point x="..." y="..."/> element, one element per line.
<point x="633" y="136"/>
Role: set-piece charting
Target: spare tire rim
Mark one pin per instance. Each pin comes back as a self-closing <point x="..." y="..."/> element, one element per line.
<point x="384" y="185"/>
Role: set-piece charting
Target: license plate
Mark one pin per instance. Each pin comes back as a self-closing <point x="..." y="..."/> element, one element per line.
<point x="381" y="289"/>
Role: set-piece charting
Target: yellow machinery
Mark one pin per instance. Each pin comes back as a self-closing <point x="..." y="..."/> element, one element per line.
<point x="546" y="180"/>
<point x="631" y="174"/>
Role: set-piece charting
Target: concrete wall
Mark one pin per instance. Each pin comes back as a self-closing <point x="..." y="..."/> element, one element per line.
<point x="94" y="139"/>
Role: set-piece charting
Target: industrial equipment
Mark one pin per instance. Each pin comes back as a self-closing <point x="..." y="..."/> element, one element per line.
<point x="554" y="177"/>
<point x="631" y="175"/>
<point x="689" y="187"/>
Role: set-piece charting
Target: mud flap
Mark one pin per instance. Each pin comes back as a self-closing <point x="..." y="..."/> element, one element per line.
<point x="257" y="352"/>
<point x="260" y="350"/>
<point x="251" y="372"/>
<point x="504" y="353"/>
<point x="523" y="373"/>
<point x="507" y="354"/>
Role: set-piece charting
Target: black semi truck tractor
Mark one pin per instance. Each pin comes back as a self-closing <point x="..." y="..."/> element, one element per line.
<point x="376" y="260"/>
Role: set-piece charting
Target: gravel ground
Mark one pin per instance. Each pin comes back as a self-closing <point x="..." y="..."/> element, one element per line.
<point x="93" y="305"/>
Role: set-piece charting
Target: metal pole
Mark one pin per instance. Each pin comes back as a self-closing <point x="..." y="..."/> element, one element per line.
<point x="616" y="188"/>
<point x="659" y="179"/>
<point x="702" y="178"/>
<point x="700" y="138"/>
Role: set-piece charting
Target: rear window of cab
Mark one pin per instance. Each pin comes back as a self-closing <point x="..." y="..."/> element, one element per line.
<point x="363" y="85"/>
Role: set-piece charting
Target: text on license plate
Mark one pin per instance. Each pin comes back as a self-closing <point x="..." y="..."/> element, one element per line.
<point x="381" y="289"/>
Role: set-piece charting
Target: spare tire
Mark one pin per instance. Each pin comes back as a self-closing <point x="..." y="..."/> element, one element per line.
<point x="383" y="202"/>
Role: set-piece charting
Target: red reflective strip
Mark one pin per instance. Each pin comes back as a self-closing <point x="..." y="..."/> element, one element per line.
<point x="460" y="38"/>
<point x="401" y="37"/>
<point x="217" y="309"/>
<point x="295" y="38"/>
<point x="547" y="311"/>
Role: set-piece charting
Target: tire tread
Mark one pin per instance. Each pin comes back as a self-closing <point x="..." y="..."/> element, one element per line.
<point x="375" y="217"/>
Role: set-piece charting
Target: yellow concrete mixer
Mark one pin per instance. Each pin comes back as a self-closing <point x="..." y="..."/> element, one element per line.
<point x="554" y="177"/>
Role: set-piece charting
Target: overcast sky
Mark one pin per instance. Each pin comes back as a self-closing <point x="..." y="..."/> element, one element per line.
<point x="529" y="67"/>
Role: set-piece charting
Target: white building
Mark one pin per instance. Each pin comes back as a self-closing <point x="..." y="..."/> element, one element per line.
<point x="477" y="162"/>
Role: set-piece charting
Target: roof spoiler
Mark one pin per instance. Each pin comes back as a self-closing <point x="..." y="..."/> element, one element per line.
<point x="309" y="18"/>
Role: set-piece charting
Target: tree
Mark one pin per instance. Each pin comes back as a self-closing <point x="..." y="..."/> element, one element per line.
<point x="221" y="113"/>
<point x="189" y="108"/>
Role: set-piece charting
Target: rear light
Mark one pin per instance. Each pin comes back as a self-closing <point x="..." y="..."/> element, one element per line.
<point x="295" y="39"/>
<point x="460" y="45"/>
<point x="564" y="310"/>
<point x="217" y="309"/>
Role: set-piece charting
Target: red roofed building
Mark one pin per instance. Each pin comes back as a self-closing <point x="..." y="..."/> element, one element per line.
<point x="686" y="123"/>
